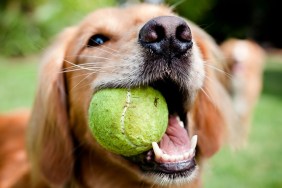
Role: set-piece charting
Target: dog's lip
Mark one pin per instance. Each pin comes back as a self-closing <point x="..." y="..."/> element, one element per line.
<point x="149" y="165"/>
<point x="171" y="167"/>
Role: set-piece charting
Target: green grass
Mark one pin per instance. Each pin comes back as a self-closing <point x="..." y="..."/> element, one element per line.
<point x="17" y="82"/>
<point x="256" y="166"/>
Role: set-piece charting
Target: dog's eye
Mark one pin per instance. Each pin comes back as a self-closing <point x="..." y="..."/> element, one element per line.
<point x="97" y="40"/>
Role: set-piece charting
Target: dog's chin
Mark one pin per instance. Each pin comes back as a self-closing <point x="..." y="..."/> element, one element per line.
<point x="165" y="179"/>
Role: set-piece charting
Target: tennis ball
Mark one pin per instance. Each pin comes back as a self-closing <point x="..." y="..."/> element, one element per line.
<point x="127" y="121"/>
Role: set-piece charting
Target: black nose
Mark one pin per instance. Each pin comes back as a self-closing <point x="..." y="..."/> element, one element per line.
<point x="168" y="36"/>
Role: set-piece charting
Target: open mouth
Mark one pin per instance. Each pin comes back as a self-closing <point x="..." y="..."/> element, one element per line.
<point x="174" y="155"/>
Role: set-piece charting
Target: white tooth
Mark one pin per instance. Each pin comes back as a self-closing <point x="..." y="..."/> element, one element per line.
<point x="172" y="158"/>
<point x="180" y="157"/>
<point x="165" y="157"/>
<point x="194" y="142"/>
<point x="157" y="150"/>
<point x="177" y="157"/>
<point x="179" y="121"/>
<point x="178" y="118"/>
<point x="186" y="155"/>
<point x="191" y="153"/>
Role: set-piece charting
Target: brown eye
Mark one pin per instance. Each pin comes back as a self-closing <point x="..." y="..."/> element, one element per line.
<point x="97" y="40"/>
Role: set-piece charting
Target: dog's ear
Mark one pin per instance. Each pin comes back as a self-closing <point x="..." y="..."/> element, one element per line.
<point x="210" y="122"/>
<point x="49" y="139"/>
<point x="213" y="112"/>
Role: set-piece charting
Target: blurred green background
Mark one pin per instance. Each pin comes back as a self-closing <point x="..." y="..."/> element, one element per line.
<point x="27" y="26"/>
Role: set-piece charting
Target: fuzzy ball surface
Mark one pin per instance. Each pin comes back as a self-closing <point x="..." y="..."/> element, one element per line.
<point x="127" y="121"/>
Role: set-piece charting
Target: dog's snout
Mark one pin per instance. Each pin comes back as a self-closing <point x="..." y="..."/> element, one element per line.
<point x="166" y="36"/>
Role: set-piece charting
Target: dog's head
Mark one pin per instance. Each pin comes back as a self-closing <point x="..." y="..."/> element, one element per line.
<point x="144" y="45"/>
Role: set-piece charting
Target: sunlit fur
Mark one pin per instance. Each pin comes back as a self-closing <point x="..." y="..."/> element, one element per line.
<point x="61" y="150"/>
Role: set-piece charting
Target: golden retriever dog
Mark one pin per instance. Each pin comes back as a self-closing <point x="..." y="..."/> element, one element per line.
<point x="245" y="62"/>
<point x="137" y="46"/>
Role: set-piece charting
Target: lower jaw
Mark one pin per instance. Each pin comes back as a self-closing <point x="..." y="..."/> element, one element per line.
<point x="164" y="174"/>
<point x="186" y="166"/>
<point x="176" y="178"/>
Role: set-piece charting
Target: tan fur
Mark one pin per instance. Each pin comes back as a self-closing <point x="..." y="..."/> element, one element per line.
<point x="13" y="159"/>
<point x="245" y="62"/>
<point x="61" y="150"/>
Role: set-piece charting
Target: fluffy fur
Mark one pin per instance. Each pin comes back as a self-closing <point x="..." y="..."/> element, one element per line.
<point x="61" y="151"/>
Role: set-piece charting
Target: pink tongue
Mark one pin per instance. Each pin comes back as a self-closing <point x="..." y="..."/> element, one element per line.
<point x="175" y="140"/>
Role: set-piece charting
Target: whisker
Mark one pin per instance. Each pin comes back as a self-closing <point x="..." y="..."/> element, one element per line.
<point x="73" y="69"/>
<point x="83" y="86"/>
<point x="89" y="74"/>
<point x="77" y="76"/>
<point x="209" y="97"/>
<point x="211" y="80"/>
<point x="215" y="84"/>
<point x="115" y="54"/>
<point x="86" y="66"/>
<point x="91" y="67"/>
<point x="219" y="70"/>
<point x="90" y="56"/>
<point x="176" y="4"/>
<point x="94" y="65"/>
<point x="98" y="70"/>
<point x="78" y="66"/>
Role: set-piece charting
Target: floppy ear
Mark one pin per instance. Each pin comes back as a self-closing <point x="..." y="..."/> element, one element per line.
<point x="49" y="138"/>
<point x="211" y="122"/>
<point x="213" y="111"/>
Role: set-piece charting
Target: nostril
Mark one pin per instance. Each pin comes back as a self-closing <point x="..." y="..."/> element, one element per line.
<point x="160" y="31"/>
<point x="184" y="39"/>
<point x="183" y="33"/>
<point x="151" y="33"/>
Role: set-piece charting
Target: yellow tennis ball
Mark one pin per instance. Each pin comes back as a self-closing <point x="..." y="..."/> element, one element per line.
<point x="127" y="121"/>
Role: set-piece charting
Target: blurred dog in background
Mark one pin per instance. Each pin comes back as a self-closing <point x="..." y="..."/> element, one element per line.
<point x="245" y="63"/>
